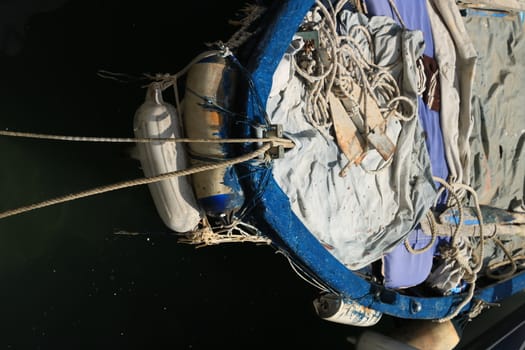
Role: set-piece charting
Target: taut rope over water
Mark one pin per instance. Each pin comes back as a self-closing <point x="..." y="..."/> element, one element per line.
<point x="280" y="141"/>
<point x="137" y="182"/>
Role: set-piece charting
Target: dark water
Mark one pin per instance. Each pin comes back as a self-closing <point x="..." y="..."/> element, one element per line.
<point x="67" y="281"/>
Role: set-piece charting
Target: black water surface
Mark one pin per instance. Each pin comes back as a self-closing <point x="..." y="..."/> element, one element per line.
<point x="67" y="281"/>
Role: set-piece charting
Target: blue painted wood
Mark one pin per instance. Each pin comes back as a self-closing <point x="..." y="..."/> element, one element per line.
<point x="300" y="243"/>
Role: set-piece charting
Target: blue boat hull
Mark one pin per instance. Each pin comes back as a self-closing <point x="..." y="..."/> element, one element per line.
<point x="274" y="211"/>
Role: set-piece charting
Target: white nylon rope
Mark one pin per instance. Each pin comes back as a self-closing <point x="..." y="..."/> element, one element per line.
<point x="470" y="273"/>
<point x="346" y="67"/>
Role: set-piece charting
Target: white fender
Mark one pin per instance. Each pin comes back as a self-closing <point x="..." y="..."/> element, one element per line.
<point x="333" y="308"/>
<point x="173" y="198"/>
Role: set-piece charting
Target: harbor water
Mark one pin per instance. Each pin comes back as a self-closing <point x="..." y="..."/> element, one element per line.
<point x="69" y="278"/>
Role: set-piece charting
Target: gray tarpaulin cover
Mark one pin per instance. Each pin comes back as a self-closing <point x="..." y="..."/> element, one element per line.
<point x="362" y="214"/>
<point x="497" y="142"/>
<point x="497" y="139"/>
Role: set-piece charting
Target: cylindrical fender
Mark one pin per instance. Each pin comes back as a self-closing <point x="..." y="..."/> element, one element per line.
<point x="174" y="197"/>
<point x="333" y="308"/>
<point x="209" y="98"/>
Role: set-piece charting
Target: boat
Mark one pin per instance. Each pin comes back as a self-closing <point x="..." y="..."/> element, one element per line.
<point x="305" y="131"/>
<point x="288" y="48"/>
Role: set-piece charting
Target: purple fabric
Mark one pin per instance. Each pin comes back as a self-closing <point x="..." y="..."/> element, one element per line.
<point x="400" y="267"/>
<point x="414" y="14"/>
<point x="415" y="17"/>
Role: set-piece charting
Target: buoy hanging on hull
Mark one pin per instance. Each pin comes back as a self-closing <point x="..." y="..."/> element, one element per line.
<point x="173" y="198"/>
<point x="207" y="114"/>
<point x="334" y="308"/>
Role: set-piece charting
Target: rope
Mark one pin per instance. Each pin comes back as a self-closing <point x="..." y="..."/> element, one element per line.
<point x="251" y="13"/>
<point x="422" y="80"/>
<point x="470" y="273"/>
<point x="170" y="79"/>
<point x="478" y="307"/>
<point x="432" y="221"/>
<point x="165" y="78"/>
<point x="136" y="182"/>
<point x="233" y="233"/>
<point x="361" y="7"/>
<point x="511" y="261"/>
<point x="454" y="253"/>
<point x="396" y="11"/>
<point x="277" y="141"/>
<point x="304" y="275"/>
<point x="339" y="65"/>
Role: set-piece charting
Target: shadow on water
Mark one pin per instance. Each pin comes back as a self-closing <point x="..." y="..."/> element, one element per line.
<point x="67" y="278"/>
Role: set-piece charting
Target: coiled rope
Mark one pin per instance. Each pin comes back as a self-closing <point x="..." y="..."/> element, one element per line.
<point x="342" y="62"/>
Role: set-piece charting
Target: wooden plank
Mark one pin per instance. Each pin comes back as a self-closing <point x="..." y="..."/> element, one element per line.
<point x="348" y="138"/>
<point x="447" y="230"/>
<point x="375" y="121"/>
<point x="503" y="5"/>
<point x="490" y="215"/>
<point x="381" y="143"/>
<point x="501" y="221"/>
